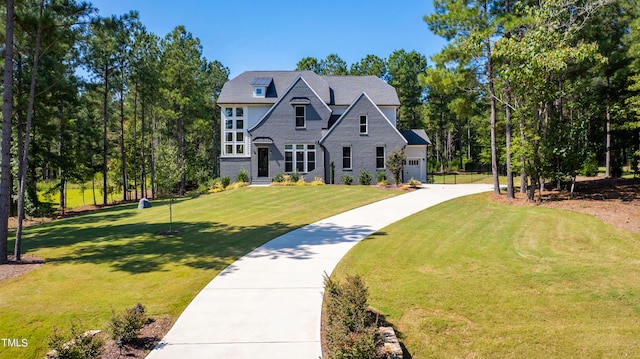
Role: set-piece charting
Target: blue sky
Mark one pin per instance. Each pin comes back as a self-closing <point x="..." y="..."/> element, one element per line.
<point x="274" y="35"/>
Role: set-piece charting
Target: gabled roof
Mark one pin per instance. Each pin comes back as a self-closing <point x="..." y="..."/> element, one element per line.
<point x="363" y="95"/>
<point x="347" y="88"/>
<point x="416" y="137"/>
<point x="281" y="98"/>
<point x="239" y="90"/>
<point x="333" y="90"/>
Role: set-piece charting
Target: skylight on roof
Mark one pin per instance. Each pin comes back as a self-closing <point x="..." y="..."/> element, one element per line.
<point x="261" y="81"/>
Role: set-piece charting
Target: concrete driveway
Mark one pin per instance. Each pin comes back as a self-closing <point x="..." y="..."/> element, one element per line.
<point x="268" y="303"/>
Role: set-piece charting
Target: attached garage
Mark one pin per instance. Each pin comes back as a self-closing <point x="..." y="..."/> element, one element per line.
<point x="416" y="151"/>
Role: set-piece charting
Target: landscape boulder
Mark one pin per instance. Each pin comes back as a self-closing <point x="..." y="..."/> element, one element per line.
<point x="144" y="203"/>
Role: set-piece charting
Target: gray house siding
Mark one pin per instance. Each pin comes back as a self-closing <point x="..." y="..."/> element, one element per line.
<point x="230" y="166"/>
<point x="279" y="125"/>
<point x="346" y="133"/>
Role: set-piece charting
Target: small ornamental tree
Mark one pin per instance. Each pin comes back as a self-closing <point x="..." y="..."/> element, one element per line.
<point x="395" y="164"/>
<point x="168" y="173"/>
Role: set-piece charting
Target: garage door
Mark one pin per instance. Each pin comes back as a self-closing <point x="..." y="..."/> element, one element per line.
<point x="413" y="169"/>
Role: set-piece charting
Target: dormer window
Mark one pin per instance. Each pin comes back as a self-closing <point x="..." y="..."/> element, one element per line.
<point x="260" y="85"/>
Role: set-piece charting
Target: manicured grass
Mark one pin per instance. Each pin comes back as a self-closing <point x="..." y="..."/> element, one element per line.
<point x="76" y="197"/>
<point x="115" y="258"/>
<point x="471" y="278"/>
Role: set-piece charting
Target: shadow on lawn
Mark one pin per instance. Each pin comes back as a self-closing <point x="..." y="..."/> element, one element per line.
<point x="139" y="248"/>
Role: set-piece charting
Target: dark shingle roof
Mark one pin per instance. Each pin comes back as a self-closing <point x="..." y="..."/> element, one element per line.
<point x="347" y="88"/>
<point x="416" y="137"/>
<point x="333" y="90"/>
<point x="239" y="90"/>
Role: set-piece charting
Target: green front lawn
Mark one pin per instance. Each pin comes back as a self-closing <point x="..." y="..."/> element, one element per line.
<point x="471" y="278"/>
<point x="115" y="258"/>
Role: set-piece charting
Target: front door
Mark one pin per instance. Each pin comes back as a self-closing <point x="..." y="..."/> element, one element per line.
<point x="263" y="162"/>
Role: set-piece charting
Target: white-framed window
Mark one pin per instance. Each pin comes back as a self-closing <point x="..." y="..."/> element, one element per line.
<point x="299" y="158"/>
<point x="380" y="158"/>
<point x="346" y="158"/>
<point x="364" y="125"/>
<point x="301" y="118"/>
<point x="234" y="133"/>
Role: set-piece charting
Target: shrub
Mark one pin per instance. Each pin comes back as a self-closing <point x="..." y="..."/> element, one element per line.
<point x="295" y="176"/>
<point x="349" y="332"/>
<point x="213" y="183"/>
<point x="346" y="179"/>
<point x="318" y="181"/>
<point x="383" y="183"/>
<point x="224" y="181"/>
<point x="414" y="183"/>
<point x="126" y="326"/>
<point x="76" y="344"/>
<point x="332" y="172"/>
<point x="364" y="177"/>
<point x="381" y="176"/>
<point x="279" y="177"/>
<point x="590" y="166"/>
<point x="243" y="176"/>
<point x="237" y="185"/>
<point x="395" y="164"/>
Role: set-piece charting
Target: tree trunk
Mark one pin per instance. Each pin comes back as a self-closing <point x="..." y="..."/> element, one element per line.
<point x="492" y="95"/>
<point x="153" y="129"/>
<point x="607" y="153"/>
<point x="494" y="150"/>
<point x="143" y="174"/>
<point x="5" y="147"/>
<point x="61" y="173"/>
<point x="104" y="134"/>
<point x="461" y="152"/>
<point x="510" y="189"/>
<point x="573" y="186"/>
<point x="523" y="174"/>
<point x="181" y="136"/>
<point x="22" y="175"/>
<point x="469" y="141"/>
<point x="135" y="142"/>
<point x="123" y="158"/>
<point x="93" y="188"/>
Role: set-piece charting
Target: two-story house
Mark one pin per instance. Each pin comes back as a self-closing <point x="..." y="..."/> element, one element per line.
<point x="297" y="121"/>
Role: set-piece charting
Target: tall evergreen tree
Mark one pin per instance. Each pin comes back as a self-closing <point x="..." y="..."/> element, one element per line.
<point x="404" y="69"/>
<point x="472" y="27"/>
<point x="370" y="65"/>
<point x="5" y="146"/>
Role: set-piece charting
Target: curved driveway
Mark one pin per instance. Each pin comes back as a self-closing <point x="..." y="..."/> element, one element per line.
<point x="268" y="303"/>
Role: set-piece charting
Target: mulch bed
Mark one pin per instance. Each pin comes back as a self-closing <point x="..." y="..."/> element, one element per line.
<point x="13" y="269"/>
<point x="613" y="201"/>
<point x="150" y="336"/>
